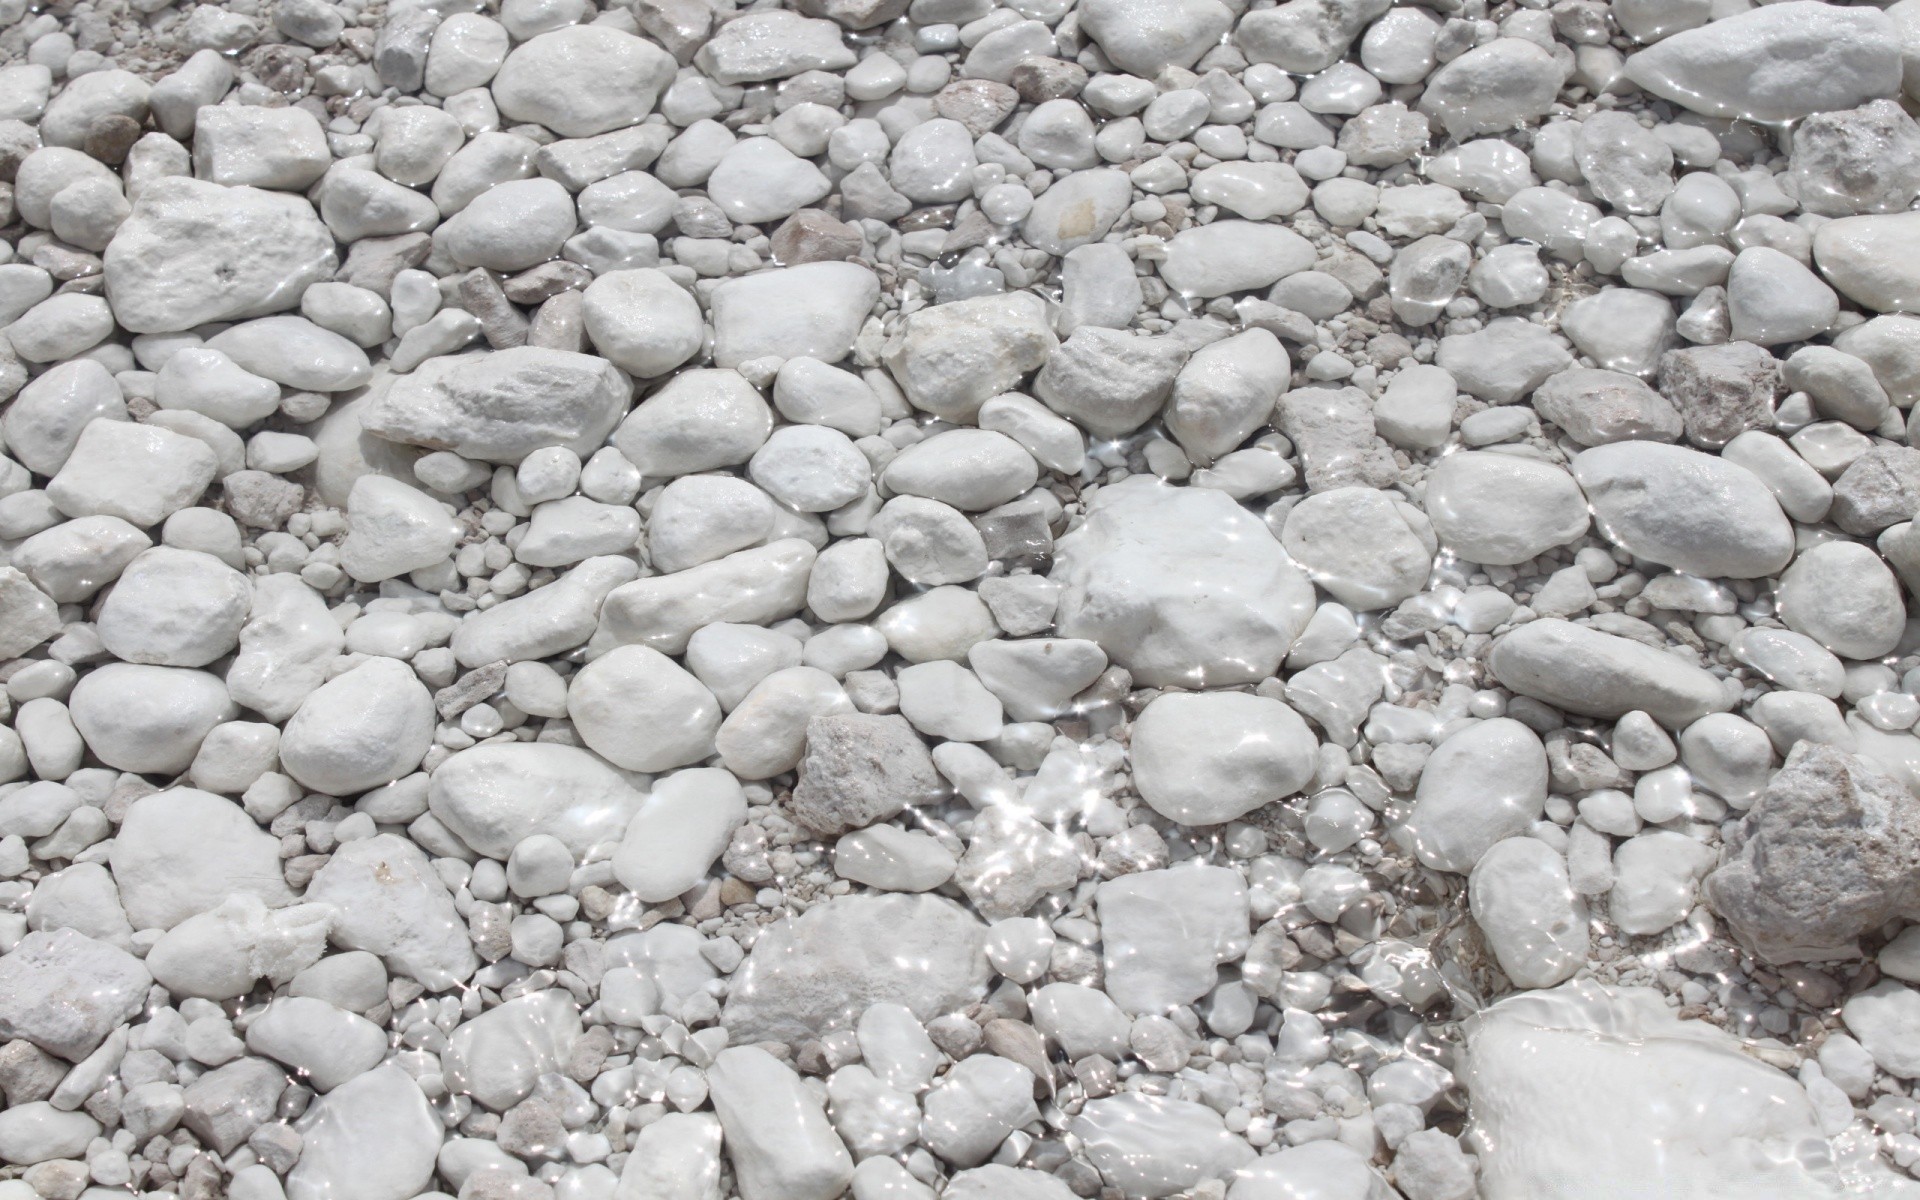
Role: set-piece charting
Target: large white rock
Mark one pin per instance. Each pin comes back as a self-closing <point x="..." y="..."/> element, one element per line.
<point x="1683" y="509"/>
<point x="950" y="359"/>
<point x="1587" y="1092"/>
<point x="640" y="710"/>
<point x="194" y="252"/>
<point x="75" y="559"/>
<point x="697" y="421"/>
<point x="1775" y="63"/>
<point x="773" y="44"/>
<point x="502" y="405"/>
<point x="145" y="718"/>
<point x="183" y="851"/>
<point x="642" y="321"/>
<point x="47" y="416"/>
<point x="1078" y="209"/>
<point x="1165" y="933"/>
<point x="388" y="901"/>
<point x="66" y="993"/>
<point x="821" y="970"/>
<point x="1205" y="758"/>
<point x="495" y="796"/>
<point x="1501" y="509"/>
<point x="1314" y="1171"/>
<point x="582" y="80"/>
<point x="1151" y="1146"/>
<point x="1368" y="549"/>
<point x="393" y="529"/>
<point x="1180" y="586"/>
<point x="814" y="310"/>
<point x="1886" y="1020"/>
<point x="1144" y="36"/>
<point x="328" y="1046"/>
<point x="174" y="608"/>
<point x="1483" y="784"/>
<point x="374" y="1138"/>
<point x="363" y="728"/>
<point x="142" y="474"/>
<point x="753" y="587"/>
<point x="1598" y="674"/>
<point x="674" y="1158"/>
<point x="1233" y="256"/>
<point x="1528" y="912"/>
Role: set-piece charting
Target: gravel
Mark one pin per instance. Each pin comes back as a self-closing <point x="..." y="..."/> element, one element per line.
<point x="1060" y="598"/>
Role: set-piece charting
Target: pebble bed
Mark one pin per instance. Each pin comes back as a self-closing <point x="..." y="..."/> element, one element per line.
<point x="968" y="599"/>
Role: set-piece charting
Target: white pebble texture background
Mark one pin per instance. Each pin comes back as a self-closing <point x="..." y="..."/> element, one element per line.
<point x="959" y="600"/>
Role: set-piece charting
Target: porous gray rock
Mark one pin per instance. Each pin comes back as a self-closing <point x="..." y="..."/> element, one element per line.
<point x="1830" y="851"/>
<point x="859" y="769"/>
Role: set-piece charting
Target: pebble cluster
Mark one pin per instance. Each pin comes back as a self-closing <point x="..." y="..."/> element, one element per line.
<point x="986" y="599"/>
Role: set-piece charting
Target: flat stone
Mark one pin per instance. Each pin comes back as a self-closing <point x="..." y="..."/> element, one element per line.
<point x="815" y="973"/>
<point x="502" y="405"/>
<point x="65" y="992"/>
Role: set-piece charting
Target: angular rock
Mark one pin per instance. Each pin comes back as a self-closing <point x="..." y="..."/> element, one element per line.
<point x="388" y="901"/>
<point x="777" y="1137"/>
<point x="65" y="992"/>
<point x="183" y="851"/>
<point x="950" y="359"/>
<point x="1828" y="853"/>
<point x="859" y="769"/>
<point x="1776" y="63"/>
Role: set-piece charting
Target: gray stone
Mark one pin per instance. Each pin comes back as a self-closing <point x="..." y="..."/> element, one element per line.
<point x="65" y="992"/>
<point x="1594" y="407"/>
<point x="1721" y="391"/>
<point x="860" y="769"/>
<point x="1881" y="488"/>
<point x="224" y="1106"/>
<point x="1829" y="852"/>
